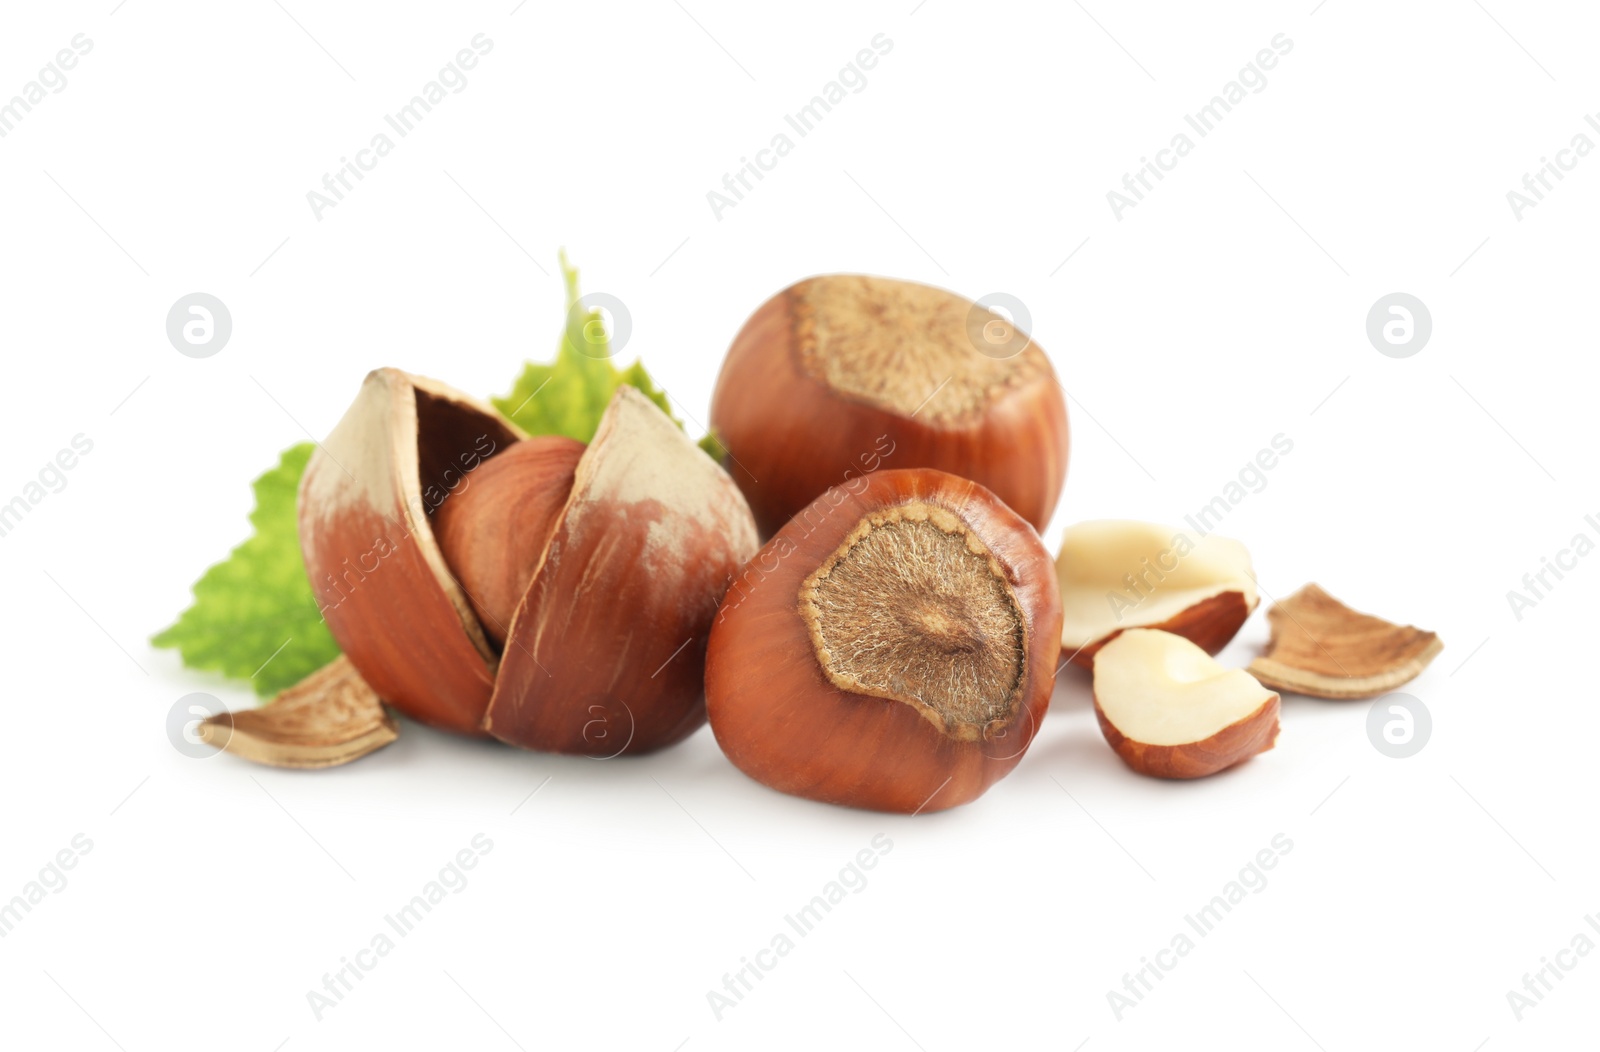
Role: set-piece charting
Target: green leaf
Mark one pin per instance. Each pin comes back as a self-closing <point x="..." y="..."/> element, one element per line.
<point x="568" y="396"/>
<point x="711" y="444"/>
<point x="259" y="598"/>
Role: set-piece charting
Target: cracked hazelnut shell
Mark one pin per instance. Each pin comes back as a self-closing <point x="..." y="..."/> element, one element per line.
<point x="432" y="529"/>
<point x="376" y="569"/>
<point x="606" y="651"/>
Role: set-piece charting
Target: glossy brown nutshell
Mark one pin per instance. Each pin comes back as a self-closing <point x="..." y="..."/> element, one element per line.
<point x="893" y="647"/>
<point x="606" y="652"/>
<point x="838" y="375"/>
<point x="382" y="583"/>
<point x="433" y="531"/>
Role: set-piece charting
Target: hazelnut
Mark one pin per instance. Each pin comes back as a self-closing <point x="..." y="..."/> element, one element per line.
<point x="833" y="372"/>
<point x="433" y="531"/>
<point x="892" y="647"/>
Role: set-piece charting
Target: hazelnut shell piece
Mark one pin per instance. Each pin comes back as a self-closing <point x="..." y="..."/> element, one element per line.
<point x="606" y="652"/>
<point x="376" y="569"/>
<point x="329" y="718"/>
<point x="791" y="435"/>
<point x="780" y="719"/>
<point x="1324" y="649"/>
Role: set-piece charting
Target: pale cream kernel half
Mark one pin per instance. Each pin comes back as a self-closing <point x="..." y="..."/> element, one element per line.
<point x="1118" y="574"/>
<point x="1160" y="689"/>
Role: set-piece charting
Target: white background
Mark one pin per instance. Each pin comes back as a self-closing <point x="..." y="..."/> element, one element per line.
<point x="1226" y="308"/>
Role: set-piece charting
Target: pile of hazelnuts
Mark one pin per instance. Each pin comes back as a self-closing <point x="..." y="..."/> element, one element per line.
<point x="856" y="597"/>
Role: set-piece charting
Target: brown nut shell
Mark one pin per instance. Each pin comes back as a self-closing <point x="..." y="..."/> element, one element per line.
<point x="1322" y="648"/>
<point x="839" y="375"/>
<point x="893" y="647"/>
<point x="376" y="569"/>
<point x="327" y="719"/>
<point x="606" y="653"/>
